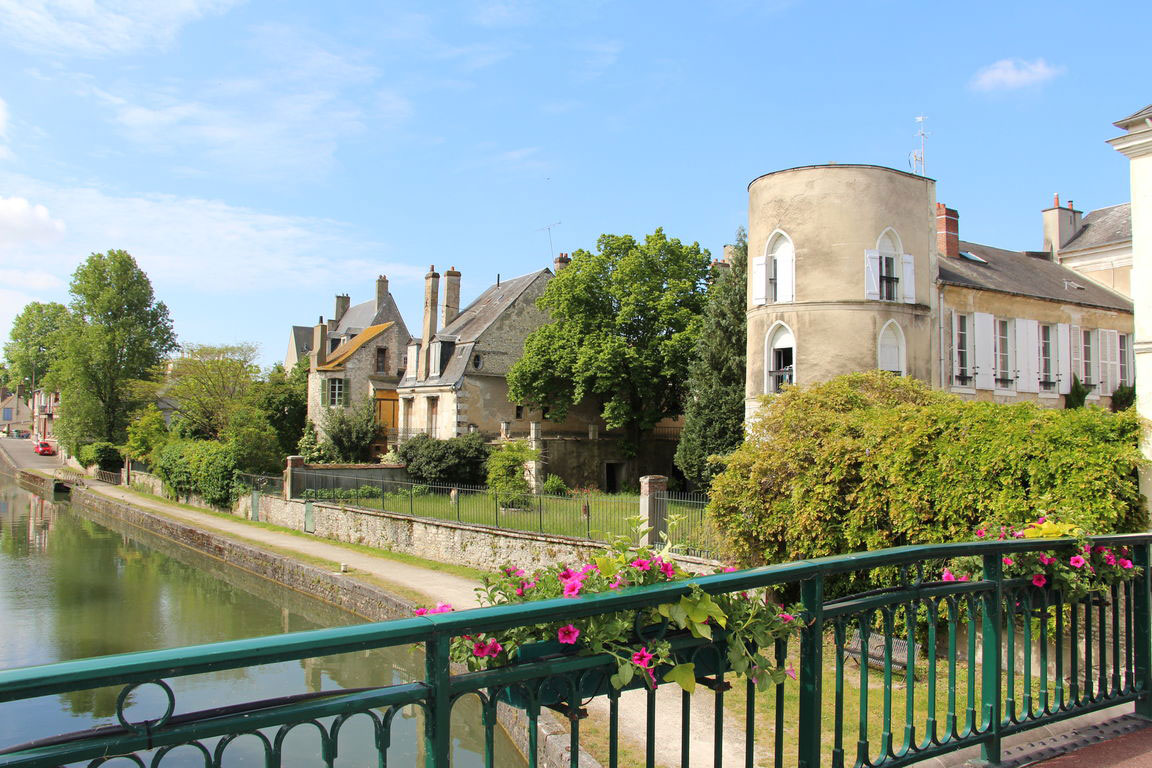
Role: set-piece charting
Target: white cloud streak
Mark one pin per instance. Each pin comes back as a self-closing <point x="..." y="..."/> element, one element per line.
<point x="98" y="28"/>
<point x="1013" y="74"/>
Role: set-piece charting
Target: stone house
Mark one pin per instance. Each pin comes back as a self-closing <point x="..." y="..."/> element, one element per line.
<point x="15" y="413"/>
<point x="857" y="267"/>
<point x="357" y="355"/>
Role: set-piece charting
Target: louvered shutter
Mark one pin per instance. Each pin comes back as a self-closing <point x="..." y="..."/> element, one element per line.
<point x="1109" y="361"/>
<point x="1077" y="356"/>
<point x="955" y="348"/>
<point x="1094" y="362"/>
<point x="872" y="275"/>
<point x="1027" y="349"/>
<point x="759" y="281"/>
<point x="1063" y="354"/>
<point x="346" y="393"/>
<point x="785" y="274"/>
<point x="984" y="349"/>
<point x="908" y="291"/>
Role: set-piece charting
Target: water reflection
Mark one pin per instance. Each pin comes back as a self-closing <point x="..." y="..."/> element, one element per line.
<point x="71" y="588"/>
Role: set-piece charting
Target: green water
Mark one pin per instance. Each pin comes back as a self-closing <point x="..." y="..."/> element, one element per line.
<point x="70" y="588"/>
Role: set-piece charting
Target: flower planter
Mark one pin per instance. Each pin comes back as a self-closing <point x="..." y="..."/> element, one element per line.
<point x="592" y="683"/>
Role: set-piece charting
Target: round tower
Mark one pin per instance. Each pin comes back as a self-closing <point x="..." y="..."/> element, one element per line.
<point x="841" y="273"/>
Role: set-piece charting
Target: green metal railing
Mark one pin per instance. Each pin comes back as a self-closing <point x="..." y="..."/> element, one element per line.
<point x="981" y="660"/>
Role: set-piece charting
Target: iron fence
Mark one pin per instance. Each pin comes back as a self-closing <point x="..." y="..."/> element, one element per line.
<point x="262" y="483"/>
<point x="984" y="659"/>
<point x="112" y="478"/>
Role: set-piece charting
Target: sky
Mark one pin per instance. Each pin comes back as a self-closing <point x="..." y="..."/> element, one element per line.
<point x="259" y="157"/>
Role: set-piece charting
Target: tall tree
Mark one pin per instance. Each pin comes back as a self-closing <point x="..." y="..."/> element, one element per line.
<point x="714" y="411"/>
<point x="207" y="385"/>
<point x="623" y="328"/>
<point x="282" y="396"/>
<point x="117" y="333"/>
<point x="33" y="345"/>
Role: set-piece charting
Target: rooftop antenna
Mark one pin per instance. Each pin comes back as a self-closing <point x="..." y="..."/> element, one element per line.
<point x="916" y="157"/>
<point x="551" y="253"/>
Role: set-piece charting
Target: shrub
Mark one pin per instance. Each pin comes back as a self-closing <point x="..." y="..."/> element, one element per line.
<point x="554" y="485"/>
<point x="456" y="460"/>
<point x="1077" y="393"/>
<point x="871" y="460"/>
<point x="350" y="432"/>
<point x="1124" y="397"/>
<point x="103" y="455"/>
<point x="311" y="449"/>
<point x="506" y="480"/>
<point x="206" y="468"/>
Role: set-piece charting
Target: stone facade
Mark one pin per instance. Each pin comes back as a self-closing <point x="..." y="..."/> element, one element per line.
<point x="856" y="267"/>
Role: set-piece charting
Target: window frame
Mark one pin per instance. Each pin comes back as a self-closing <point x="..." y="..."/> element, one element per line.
<point x="1004" y="354"/>
<point x="901" y="348"/>
<point x="335" y="395"/>
<point x="1048" y="381"/>
<point x="963" y="368"/>
<point x="776" y="378"/>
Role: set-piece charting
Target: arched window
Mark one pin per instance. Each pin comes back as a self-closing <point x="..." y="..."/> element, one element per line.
<point x="890" y="275"/>
<point x="890" y="352"/>
<point x="779" y="358"/>
<point x="781" y="268"/>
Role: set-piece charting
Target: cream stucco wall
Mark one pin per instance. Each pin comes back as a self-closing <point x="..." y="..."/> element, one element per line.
<point x="833" y="214"/>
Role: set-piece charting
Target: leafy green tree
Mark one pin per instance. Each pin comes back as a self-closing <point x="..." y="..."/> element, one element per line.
<point x="311" y="448"/>
<point x="282" y="396"/>
<point x="714" y="409"/>
<point x="624" y="322"/>
<point x="351" y="431"/>
<point x="33" y="345"/>
<point x="506" y="479"/>
<point x="207" y="386"/>
<point x="117" y="332"/>
<point x="147" y="432"/>
<point x="456" y="460"/>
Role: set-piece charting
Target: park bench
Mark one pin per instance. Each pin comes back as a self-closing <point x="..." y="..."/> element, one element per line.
<point x="874" y="654"/>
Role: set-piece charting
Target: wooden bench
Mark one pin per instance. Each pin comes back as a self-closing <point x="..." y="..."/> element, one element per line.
<point x="874" y="655"/>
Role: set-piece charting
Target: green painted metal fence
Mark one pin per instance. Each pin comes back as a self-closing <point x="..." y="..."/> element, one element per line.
<point x="886" y="677"/>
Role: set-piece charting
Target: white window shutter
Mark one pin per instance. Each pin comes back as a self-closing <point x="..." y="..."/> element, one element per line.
<point x="785" y="275"/>
<point x="1063" y="353"/>
<point x="759" y="280"/>
<point x="1077" y="356"/>
<point x="955" y="349"/>
<point x="1094" y="363"/>
<point x="1110" y="360"/>
<point x="984" y="327"/>
<point x="909" y="288"/>
<point x="1027" y="346"/>
<point x="872" y="275"/>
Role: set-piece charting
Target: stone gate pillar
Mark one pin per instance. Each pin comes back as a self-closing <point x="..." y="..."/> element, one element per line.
<point x="654" y="507"/>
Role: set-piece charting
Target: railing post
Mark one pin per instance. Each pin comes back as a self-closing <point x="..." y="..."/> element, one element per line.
<point x="438" y="717"/>
<point x="811" y="671"/>
<point x="1142" y="630"/>
<point x="992" y="660"/>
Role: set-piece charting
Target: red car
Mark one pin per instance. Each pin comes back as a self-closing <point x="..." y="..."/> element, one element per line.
<point x="44" y="449"/>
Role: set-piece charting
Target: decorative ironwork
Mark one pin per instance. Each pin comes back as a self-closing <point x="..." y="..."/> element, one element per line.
<point x="982" y="660"/>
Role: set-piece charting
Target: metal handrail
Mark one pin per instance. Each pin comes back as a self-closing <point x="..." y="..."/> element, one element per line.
<point x="1123" y="672"/>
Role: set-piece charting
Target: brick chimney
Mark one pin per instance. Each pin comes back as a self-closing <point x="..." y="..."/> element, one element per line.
<point x="560" y="262"/>
<point x="431" y="300"/>
<point x="1060" y="224"/>
<point x="947" y="231"/>
<point x="381" y="292"/>
<point x="451" y="306"/>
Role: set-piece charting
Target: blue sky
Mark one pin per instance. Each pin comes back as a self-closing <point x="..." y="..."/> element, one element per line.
<point x="258" y="157"/>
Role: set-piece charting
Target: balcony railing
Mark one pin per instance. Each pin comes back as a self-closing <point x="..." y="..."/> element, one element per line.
<point x="985" y="659"/>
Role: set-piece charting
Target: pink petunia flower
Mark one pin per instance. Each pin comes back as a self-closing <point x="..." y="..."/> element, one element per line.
<point x="494" y="647"/>
<point x="480" y="649"/>
<point x="729" y="569"/>
<point x="948" y="576"/>
<point x="786" y="617"/>
<point x="572" y="588"/>
<point x="1125" y="563"/>
<point x="1046" y="560"/>
<point x="1076" y="561"/>
<point x="1008" y="561"/>
<point x="1039" y="580"/>
<point x="568" y="634"/>
<point x="442" y="608"/>
<point x="589" y="569"/>
<point x="642" y="658"/>
<point x="1110" y="559"/>
<point x="964" y="577"/>
<point x="567" y="575"/>
<point x="1041" y="520"/>
<point x="668" y="570"/>
<point x="791" y="672"/>
<point x="642" y="564"/>
<point x="421" y="612"/>
<point x="980" y="533"/>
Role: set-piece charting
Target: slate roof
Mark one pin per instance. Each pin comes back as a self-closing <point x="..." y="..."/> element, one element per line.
<point x="470" y="324"/>
<point x="1103" y="226"/>
<point x="1024" y="274"/>
<point x="358" y="317"/>
<point x="302" y="339"/>
<point x="1134" y="118"/>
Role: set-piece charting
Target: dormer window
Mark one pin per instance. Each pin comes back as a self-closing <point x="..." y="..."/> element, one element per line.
<point x="434" y="359"/>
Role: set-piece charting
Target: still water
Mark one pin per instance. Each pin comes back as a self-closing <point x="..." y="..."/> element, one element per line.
<point x="70" y="589"/>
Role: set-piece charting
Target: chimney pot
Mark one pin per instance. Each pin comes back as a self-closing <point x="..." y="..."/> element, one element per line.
<point x="560" y="262"/>
<point x="947" y="231"/>
<point x="431" y="303"/>
<point x="1056" y="200"/>
<point x="381" y="292"/>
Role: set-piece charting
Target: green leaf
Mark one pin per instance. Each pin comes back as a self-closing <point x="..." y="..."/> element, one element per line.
<point x="683" y="675"/>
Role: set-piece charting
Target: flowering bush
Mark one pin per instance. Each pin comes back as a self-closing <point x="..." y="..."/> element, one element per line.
<point x="1076" y="568"/>
<point x="746" y="623"/>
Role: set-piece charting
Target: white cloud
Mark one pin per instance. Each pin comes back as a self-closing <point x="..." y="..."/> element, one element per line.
<point x="100" y="27"/>
<point x="1012" y="74"/>
<point x="11" y="303"/>
<point x="22" y="222"/>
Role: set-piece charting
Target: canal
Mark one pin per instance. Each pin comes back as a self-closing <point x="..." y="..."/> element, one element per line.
<point x="71" y="588"/>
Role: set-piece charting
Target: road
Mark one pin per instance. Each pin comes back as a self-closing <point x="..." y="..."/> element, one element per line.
<point x="21" y="453"/>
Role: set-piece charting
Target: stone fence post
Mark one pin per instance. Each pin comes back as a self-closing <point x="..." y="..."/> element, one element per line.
<point x="293" y="463"/>
<point x="654" y="507"/>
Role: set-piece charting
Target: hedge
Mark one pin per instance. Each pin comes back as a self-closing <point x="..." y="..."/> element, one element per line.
<point x="871" y="460"/>
<point x="205" y="468"/>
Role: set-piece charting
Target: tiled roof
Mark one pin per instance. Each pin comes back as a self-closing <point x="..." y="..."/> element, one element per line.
<point x="1135" y="117"/>
<point x="1102" y="227"/>
<point x="475" y="318"/>
<point x="341" y="354"/>
<point x="1025" y="274"/>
